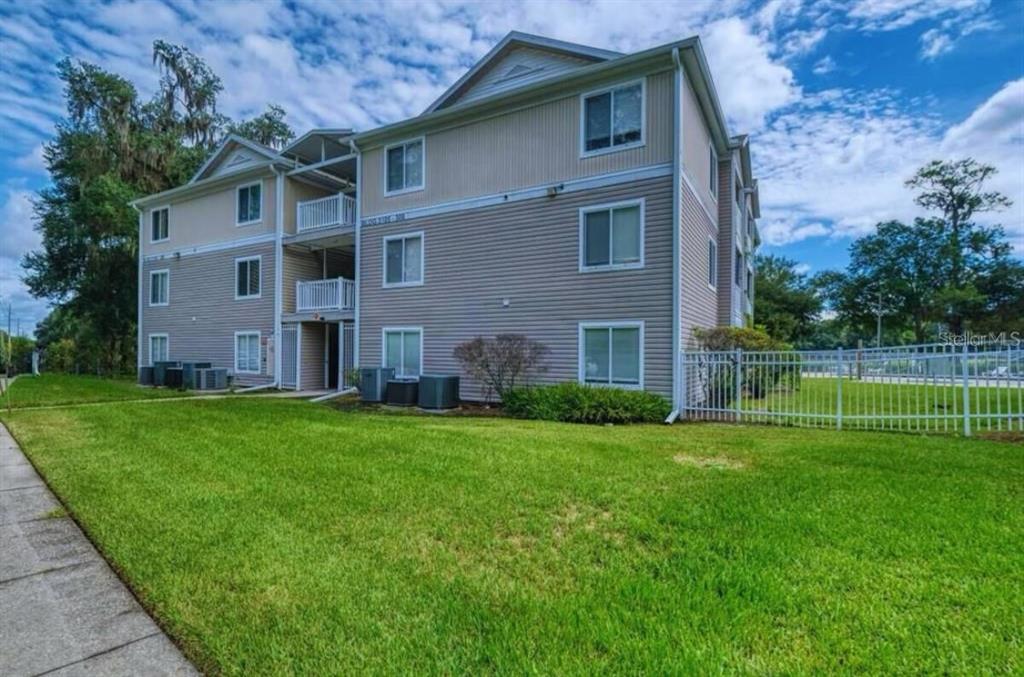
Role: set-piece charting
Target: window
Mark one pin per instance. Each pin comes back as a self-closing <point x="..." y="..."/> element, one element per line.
<point x="712" y="263"/>
<point x="247" y="352"/>
<point x="739" y="268"/>
<point x="612" y="353"/>
<point x="612" y="236"/>
<point x="250" y="204"/>
<point x="612" y="119"/>
<point x="159" y="287"/>
<point x="159" y="348"/>
<point x="247" y="277"/>
<point x="750" y="282"/>
<point x="159" y="223"/>
<point x="713" y="172"/>
<point x="404" y="170"/>
<point x="403" y="260"/>
<point x="403" y="348"/>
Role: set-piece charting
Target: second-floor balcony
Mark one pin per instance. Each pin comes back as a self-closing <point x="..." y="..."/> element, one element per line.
<point x="327" y="212"/>
<point x="334" y="294"/>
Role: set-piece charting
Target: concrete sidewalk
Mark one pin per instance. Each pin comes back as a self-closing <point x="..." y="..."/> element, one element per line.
<point x="62" y="610"/>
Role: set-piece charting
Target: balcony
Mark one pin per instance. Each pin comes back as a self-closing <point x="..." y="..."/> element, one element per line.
<point x="334" y="294"/>
<point x="327" y="212"/>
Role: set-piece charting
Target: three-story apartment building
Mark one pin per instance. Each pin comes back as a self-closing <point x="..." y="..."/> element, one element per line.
<point x="590" y="200"/>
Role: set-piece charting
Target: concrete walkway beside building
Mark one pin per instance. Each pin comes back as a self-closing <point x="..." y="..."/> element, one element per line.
<point x="63" y="611"/>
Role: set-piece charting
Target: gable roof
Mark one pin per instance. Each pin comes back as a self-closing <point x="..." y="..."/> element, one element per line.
<point x="514" y="40"/>
<point x="230" y="143"/>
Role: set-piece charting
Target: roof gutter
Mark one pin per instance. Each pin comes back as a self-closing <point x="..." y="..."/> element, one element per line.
<point x="677" y="162"/>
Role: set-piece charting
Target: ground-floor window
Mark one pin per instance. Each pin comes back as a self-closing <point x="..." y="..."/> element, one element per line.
<point x="158" y="348"/>
<point x="611" y="353"/>
<point x="247" y="352"/>
<point x="403" y="350"/>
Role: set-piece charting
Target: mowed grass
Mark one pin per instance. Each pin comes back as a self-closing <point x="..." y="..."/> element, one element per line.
<point x="282" y="537"/>
<point x="60" y="389"/>
<point x="879" y="405"/>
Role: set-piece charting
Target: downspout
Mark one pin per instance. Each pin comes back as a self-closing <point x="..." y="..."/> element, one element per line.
<point x="278" y="269"/>
<point x="359" y="252"/>
<point x="677" y="153"/>
<point x="138" y="319"/>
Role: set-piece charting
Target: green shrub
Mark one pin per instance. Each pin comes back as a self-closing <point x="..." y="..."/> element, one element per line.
<point x="576" y="403"/>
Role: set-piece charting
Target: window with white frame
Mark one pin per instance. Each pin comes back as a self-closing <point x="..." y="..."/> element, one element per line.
<point x="403" y="347"/>
<point x="159" y="348"/>
<point x="247" y="277"/>
<point x="713" y="171"/>
<point x="403" y="260"/>
<point x="159" y="221"/>
<point x="404" y="170"/>
<point x="611" y="236"/>
<point x="750" y="282"/>
<point x="249" y="207"/>
<point x="159" y="287"/>
<point x="613" y="118"/>
<point x="739" y="268"/>
<point x="247" y="352"/>
<point x="611" y="353"/>
<point x="712" y="263"/>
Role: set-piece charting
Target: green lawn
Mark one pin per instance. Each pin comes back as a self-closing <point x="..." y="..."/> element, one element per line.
<point x="278" y="536"/>
<point x="885" y="406"/>
<point x="58" y="389"/>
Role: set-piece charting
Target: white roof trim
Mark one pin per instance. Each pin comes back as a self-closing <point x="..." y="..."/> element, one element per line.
<point x="269" y="153"/>
<point x="334" y="134"/>
<point x="526" y="39"/>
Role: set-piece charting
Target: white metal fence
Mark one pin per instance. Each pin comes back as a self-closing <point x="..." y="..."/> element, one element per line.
<point x="331" y="294"/>
<point x="923" y="388"/>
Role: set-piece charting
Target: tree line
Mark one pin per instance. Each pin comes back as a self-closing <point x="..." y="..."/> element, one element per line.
<point x="906" y="282"/>
<point x="112" y="147"/>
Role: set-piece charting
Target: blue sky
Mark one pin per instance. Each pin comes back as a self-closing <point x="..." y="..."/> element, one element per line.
<point x="843" y="100"/>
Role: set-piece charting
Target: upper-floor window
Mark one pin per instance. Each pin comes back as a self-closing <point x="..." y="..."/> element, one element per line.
<point x="159" y="222"/>
<point x="739" y="268"/>
<point x="612" y="236"/>
<point x="403" y="260"/>
<point x="613" y="118"/>
<point x="403" y="350"/>
<point x="249" y="207"/>
<point x="404" y="166"/>
<point x="247" y="277"/>
<point x="713" y="171"/>
<point x="712" y="263"/>
<point x="750" y="282"/>
<point x="159" y="287"/>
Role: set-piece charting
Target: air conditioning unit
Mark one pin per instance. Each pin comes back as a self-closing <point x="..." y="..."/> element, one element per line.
<point x="145" y="376"/>
<point x="160" y="371"/>
<point x="403" y="393"/>
<point x="172" y="377"/>
<point x="189" y="372"/>
<point x="373" y="383"/>
<point x="439" y="392"/>
<point x="211" y="379"/>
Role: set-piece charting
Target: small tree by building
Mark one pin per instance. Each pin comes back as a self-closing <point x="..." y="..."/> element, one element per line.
<point x="503" y="362"/>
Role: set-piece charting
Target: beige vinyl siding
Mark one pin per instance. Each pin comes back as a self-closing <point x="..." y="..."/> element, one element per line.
<point x="698" y="302"/>
<point x="294" y="192"/>
<point x="697" y="149"/>
<point x="726" y="244"/>
<point x="543" y="64"/>
<point x="210" y="218"/>
<point x="312" y="358"/>
<point x="298" y="265"/>
<point x="526" y="252"/>
<point x="203" y="315"/>
<point x="521" y="149"/>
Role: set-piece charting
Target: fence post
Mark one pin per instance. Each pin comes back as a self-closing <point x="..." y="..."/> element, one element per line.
<point x="967" y="393"/>
<point x="839" y="390"/>
<point x="681" y="356"/>
<point x="738" y="383"/>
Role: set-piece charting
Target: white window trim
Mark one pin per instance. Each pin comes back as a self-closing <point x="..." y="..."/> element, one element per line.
<point x="259" y="349"/>
<point x="238" y="189"/>
<point x="384" y="331"/>
<point x="152" y="274"/>
<point x="713" y="179"/>
<point x="713" y="286"/>
<point x="584" y="153"/>
<point x="583" y="268"/>
<point x="259" y="258"/>
<point x="423" y="154"/>
<point x="384" y="260"/>
<point x="151" y="212"/>
<point x="610" y="324"/>
<point x="163" y="335"/>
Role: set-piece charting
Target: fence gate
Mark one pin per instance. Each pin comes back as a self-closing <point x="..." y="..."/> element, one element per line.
<point x="921" y="388"/>
<point x="289" y="356"/>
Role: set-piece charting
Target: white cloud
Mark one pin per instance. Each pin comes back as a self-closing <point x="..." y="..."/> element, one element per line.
<point x="890" y="15"/>
<point x="935" y="43"/>
<point x="824" y="66"/>
<point x="32" y="162"/>
<point x="17" y="237"/>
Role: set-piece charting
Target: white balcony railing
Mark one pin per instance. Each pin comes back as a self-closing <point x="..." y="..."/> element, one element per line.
<point x="333" y="210"/>
<point x="335" y="294"/>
